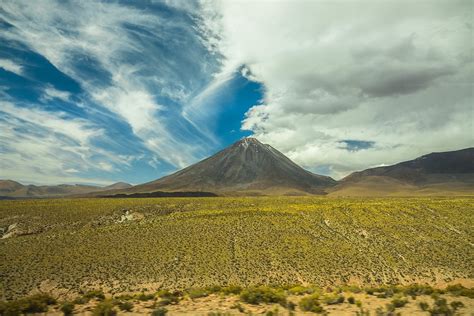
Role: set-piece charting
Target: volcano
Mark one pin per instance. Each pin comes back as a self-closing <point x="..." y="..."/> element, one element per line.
<point x="246" y="167"/>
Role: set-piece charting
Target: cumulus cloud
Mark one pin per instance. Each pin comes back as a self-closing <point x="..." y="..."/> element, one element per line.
<point x="394" y="74"/>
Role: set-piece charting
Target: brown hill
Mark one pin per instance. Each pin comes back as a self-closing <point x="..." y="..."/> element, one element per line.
<point x="444" y="173"/>
<point x="246" y="167"/>
<point x="13" y="189"/>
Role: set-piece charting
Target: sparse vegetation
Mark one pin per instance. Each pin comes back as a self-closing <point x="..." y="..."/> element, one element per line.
<point x="424" y="306"/>
<point x="197" y="293"/>
<point x="231" y="289"/>
<point x="37" y="303"/>
<point x="417" y="290"/>
<point x="311" y="304"/>
<point x="125" y="306"/>
<point x="332" y="299"/>
<point x="104" y="308"/>
<point x="67" y="308"/>
<point x="460" y="290"/>
<point x="442" y="308"/>
<point x="238" y="307"/>
<point x="177" y="236"/>
<point x="220" y="246"/>
<point x="399" y="301"/>
<point x="167" y="297"/>
<point x="145" y="297"/>
<point x="300" y="290"/>
<point x="95" y="294"/>
<point x="264" y="299"/>
<point x="161" y="311"/>
<point x="263" y="294"/>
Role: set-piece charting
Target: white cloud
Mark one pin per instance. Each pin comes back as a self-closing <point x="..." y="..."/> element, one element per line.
<point x="11" y="66"/>
<point x="333" y="72"/>
<point x="119" y="42"/>
<point x="51" y="93"/>
<point x="54" y="147"/>
<point x="75" y="129"/>
<point x="106" y="166"/>
<point x="134" y="106"/>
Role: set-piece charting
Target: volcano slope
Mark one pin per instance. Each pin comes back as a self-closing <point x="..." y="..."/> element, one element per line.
<point x="247" y="167"/>
<point x="127" y="245"/>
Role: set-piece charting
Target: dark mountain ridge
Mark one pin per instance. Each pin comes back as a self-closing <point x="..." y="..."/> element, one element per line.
<point x="441" y="173"/>
<point x="432" y="167"/>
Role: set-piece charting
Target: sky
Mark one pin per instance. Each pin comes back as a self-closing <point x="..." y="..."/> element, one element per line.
<point x="103" y="91"/>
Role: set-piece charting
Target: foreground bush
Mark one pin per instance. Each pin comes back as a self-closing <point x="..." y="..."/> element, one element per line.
<point x="300" y="290"/>
<point x="231" y="289"/>
<point x="97" y="294"/>
<point x="197" y="293"/>
<point x="263" y="294"/>
<point x="145" y="297"/>
<point x="382" y="291"/>
<point x="67" y="308"/>
<point x="167" y="297"/>
<point x="417" y="290"/>
<point x="80" y="300"/>
<point x="125" y="306"/>
<point x="159" y="312"/>
<point x="104" y="308"/>
<point x="460" y="290"/>
<point x="37" y="303"/>
<point x="351" y="288"/>
<point x="424" y="306"/>
<point x="311" y="304"/>
<point x="332" y="299"/>
<point x="441" y="308"/>
<point x="399" y="301"/>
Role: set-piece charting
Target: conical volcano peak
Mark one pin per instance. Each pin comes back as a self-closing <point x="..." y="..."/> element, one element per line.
<point x="251" y="145"/>
<point x="248" y="141"/>
<point x="247" y="165"/>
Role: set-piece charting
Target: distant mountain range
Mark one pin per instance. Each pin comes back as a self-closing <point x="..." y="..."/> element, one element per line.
<point x="249" y="167"/>
<point x="13" y="189"/>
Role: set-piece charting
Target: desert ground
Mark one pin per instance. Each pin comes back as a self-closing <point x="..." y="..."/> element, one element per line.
<point x="182" y="255"/>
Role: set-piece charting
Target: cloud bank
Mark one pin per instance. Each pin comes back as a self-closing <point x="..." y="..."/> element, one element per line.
<point x="397" y="75"/>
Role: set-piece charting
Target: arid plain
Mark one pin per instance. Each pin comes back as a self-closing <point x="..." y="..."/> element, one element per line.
<point x="328" y="246"/>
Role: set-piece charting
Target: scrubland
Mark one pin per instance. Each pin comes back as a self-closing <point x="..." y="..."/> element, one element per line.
<point x="127" y="246"/>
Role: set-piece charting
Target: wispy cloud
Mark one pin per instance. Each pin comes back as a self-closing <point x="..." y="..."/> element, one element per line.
<point x="140" y="65"/>
<point x="110" y="37"/>
<point x="51" y="93"/>
<point x="75" y="129"/>
<point x="11" y="66"/>
<point x="35" y="144"/>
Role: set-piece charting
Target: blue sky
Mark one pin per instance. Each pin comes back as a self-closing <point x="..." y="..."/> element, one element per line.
<point x="75" y="109"/>
<point x="106" y="91"/>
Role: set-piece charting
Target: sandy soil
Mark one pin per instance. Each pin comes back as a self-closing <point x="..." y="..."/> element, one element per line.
<point x="227" y="305"/>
